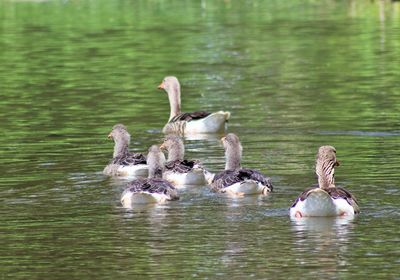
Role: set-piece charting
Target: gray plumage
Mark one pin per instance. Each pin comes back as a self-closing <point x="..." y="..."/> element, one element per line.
<point x="233" y="172"/>
<point x="325" y="169"/>
<point x="177" y="120"/>
<point x="154" y="184"/>
<point x="121" y="155"/>
<point x="176" y="152"/>
<point x="227" y="178"/>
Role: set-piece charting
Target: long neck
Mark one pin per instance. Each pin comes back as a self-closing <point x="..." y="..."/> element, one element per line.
<point x="174" y="96"/>
<point x="120" y="147"/>
<point x="155" y="162"/>
<point x="326" y="173"/>
<point x="176" y="152"/>
<point x="233" y="156"/>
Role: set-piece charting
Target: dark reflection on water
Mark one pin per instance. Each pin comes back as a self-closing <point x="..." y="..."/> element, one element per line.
<point x="295" y="75"/>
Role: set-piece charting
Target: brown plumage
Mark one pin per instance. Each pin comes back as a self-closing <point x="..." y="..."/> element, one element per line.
<point x="325" y="169"/>
<point x="233" y="172"/>
<point x="154" y="184"/>
<point x="176" y="152"/>
<point x="121" y="155"/>
<point x="189" y="123"/>
<point x="190" y="116"/>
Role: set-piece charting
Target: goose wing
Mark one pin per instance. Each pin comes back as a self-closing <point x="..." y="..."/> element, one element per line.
<point x="190" y="116"/>
<point x="154" y="186"/>
<point x="129" y="159"/>
<point x="256" y="176"/>
<point x="303" y="195"/>
<point x="229" y="177"/>
<point x="339" y="192"/>
<point x="181" y="166"/>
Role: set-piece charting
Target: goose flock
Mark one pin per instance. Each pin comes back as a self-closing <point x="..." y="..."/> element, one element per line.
<point x="158" y="179"/>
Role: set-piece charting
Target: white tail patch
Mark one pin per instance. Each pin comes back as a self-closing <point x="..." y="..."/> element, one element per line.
<point x="213" y="123"/>
<point x="320" y="204"/>
<point x="130" y="199"/>
<point x="194" y="177"/>
<point x="138" y="170"/>
<point x="247" y="187"/>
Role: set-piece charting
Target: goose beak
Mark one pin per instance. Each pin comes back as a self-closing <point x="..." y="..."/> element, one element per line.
<point x="223" y="139"/>
<point x="162" y="146"/>
<point x="109" y="136"/>
<point x="161" y="86"/>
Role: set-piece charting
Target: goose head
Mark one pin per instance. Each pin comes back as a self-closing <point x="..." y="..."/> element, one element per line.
<point x="155" y="161"/>
<point x="173" y="144"/>
<point x="170" y="83"/>
<point x="325" y="166"/>
<point x="233" y="151"/>
<point x="171" y="86"/>
<point x="121" y="138"/>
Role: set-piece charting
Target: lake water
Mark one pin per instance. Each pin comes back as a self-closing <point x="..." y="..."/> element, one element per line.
<point x="294" y="74"/>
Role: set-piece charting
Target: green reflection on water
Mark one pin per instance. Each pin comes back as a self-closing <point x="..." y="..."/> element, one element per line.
<point x="295" y="75"/>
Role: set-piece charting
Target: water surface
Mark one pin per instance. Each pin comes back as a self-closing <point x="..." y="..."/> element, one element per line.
<point x="294" y="74"/>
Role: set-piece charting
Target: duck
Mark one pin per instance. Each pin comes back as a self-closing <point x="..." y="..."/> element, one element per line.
<point x="124" y="163"/>
<point x="325" y="199"/>
<point x="199" y="122"/>
<point x="153" y="189"/>
<point x="179" y="171"/>
<point x="236" y="180"/>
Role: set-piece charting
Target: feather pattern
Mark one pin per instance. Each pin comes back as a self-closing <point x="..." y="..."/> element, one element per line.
<point x="334" y="193"/>
<point x="229" y="177"/>
<point x="129" y="159"/>
<point x="187" y="117"/>
<point x="178" y="170"/>
<point x="189" y="123"/>
<point x="124" y="163"/>
<point x="177" y="127"/>
<point x="235" y="179"/>
<point x="152" y="186"/>
<point x="324" y="198"/>
<point x="181" y="166"/>
<point x="152" y="189"/>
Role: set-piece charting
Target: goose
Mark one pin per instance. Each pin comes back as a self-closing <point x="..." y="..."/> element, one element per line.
<point x="178" y="170"/>
<point x="189" y="123"/>
<point x="153" y="189"/>
<point x="234" y="179"/>
<point x="124" y="163"/>
<point x="325" y="199"/>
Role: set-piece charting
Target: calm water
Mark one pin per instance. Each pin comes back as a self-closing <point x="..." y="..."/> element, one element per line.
<point x="294" y="74"/>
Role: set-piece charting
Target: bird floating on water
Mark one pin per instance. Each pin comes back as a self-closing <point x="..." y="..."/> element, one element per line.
<point x="153" y="189"/>
<point x="235" y="179"/>
<point x="198" y="122"/>
<point x="326" y="199"/>
<point x="124" y="163"/>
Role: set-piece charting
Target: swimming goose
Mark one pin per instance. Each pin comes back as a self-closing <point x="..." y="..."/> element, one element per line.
<point x="124" y="163"/>
<point x="178" y="170"/>
<point x="189" y="123"/>
<point x="234" y="179"/>
<point x="326" y="199"/>
<point x="153" y="189"/>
